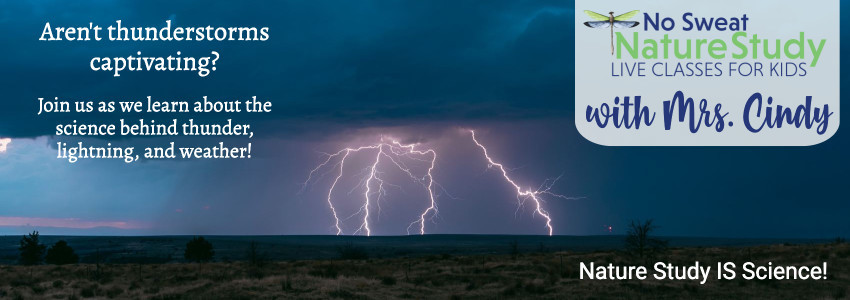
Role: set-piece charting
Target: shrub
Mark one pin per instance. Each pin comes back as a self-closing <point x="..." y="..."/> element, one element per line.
<point x="388" y="280"/>
<point x="535" y="288"/>
<point x="325" y="271"/>
<point x="350" y="251"/>
<point x="340" y="293"/>
<point x="61" y="254"/>
<point x="31" y="250"/>
<point x="38" y="289"/>
<point x="199" y="250"/>
<point x="152" y="290"/>
<point x="90" y="291"/>
<point x="114" y="292"/>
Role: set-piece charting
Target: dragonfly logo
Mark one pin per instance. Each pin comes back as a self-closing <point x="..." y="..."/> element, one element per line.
<point x="610" y="21"/>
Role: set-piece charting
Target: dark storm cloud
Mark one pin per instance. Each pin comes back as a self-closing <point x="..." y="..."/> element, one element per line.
<point x="328" y="63"/>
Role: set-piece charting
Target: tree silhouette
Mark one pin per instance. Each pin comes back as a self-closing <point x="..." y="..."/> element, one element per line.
<point x="61" y="254"/>
<point x="639" y="241"/>
<point x="31" y="250"/>
<point x="199" y="250"/>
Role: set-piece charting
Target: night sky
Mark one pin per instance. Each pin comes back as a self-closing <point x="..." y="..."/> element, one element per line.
<point x="344" y="73"/>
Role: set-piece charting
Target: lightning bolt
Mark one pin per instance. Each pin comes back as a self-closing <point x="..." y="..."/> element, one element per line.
<point x="395" y="154"/>
<point x="533" y="194"/>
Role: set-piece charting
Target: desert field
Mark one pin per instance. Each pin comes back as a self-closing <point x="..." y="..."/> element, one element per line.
<point x="520" y="273"/>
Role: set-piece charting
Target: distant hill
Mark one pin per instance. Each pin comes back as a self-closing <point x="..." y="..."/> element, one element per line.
<point x="162" y="249"/>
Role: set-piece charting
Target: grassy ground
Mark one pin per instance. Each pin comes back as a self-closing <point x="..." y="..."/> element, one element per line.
<point x="527" y="275"/>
